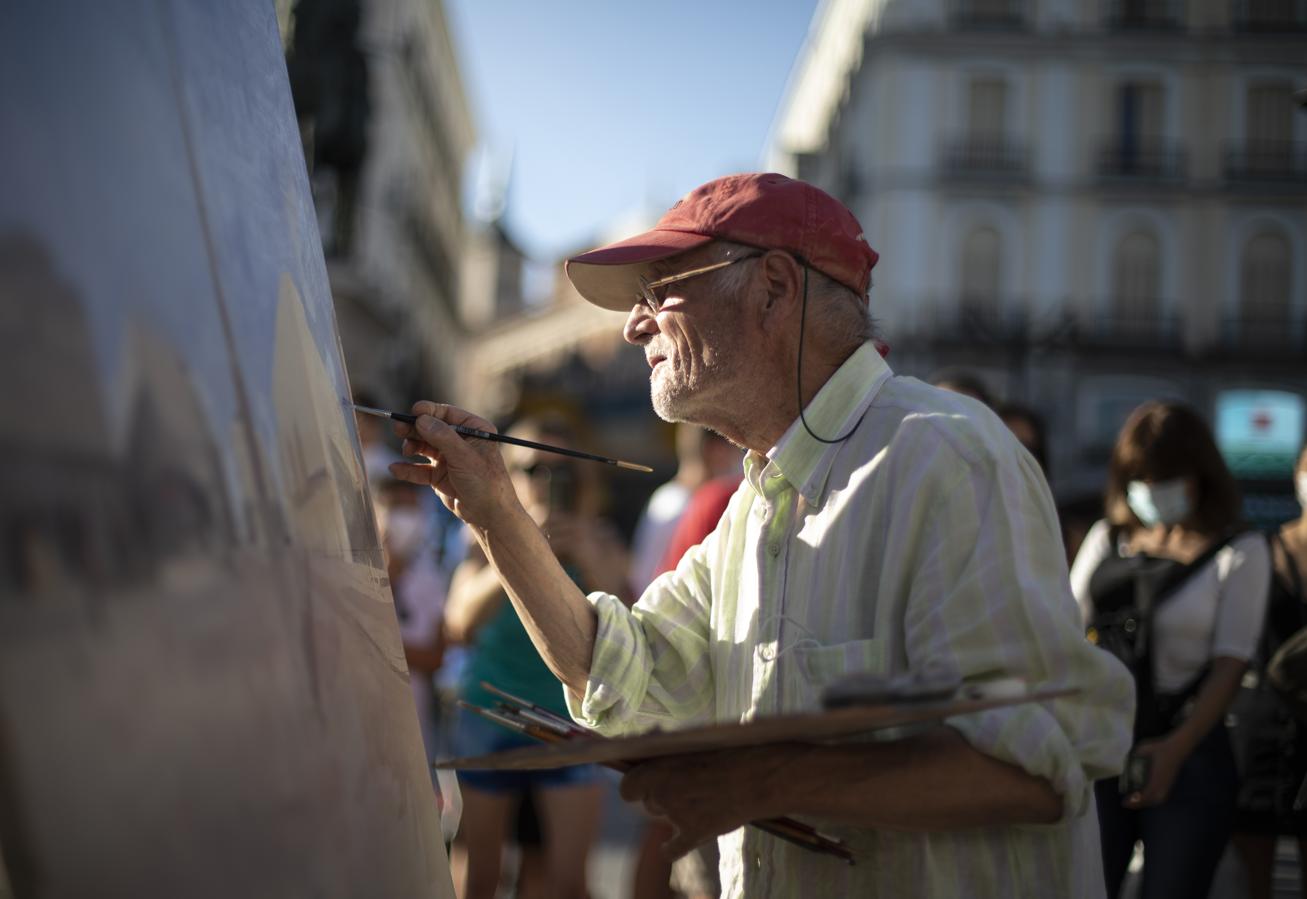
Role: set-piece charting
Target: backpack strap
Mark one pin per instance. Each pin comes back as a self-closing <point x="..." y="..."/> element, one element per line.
<point x="1295" y="576"/>
<point x="1152" y="589"/>
<point x="1176" y="578"/>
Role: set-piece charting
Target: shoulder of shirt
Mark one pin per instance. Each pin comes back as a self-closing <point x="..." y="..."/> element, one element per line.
<point x="1097" y="542"/>
<point x="968" y="427"/>
<point x="1100" y="530"/>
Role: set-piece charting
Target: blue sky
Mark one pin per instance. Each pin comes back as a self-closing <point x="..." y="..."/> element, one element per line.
<point x="608" y="107"/>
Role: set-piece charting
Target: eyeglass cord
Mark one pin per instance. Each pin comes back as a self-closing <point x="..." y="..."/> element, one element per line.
<point x="798" y="387"/>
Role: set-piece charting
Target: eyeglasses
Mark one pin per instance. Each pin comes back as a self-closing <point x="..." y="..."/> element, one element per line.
<point x="649" y="290"/>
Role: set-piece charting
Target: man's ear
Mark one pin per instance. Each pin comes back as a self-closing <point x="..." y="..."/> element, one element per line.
<point x="783" y="281"/>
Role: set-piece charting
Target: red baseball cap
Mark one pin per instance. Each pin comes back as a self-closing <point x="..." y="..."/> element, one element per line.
<point x="767" y="211"/>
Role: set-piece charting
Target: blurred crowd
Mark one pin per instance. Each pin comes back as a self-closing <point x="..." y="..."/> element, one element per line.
<point x="1199" y="605"/>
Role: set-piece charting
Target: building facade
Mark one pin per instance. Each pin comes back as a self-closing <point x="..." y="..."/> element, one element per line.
<point x="386" y="128"/>
<point x="1088" y="204"/>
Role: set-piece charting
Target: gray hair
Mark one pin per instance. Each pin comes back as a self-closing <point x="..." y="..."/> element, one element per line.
<point x="833" y="309"/>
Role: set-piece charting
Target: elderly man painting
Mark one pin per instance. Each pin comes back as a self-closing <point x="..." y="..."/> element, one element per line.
<point x="882" y="525"/>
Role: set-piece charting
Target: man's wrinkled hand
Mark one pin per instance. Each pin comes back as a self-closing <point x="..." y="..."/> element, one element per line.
<point x="704" y="795"/>
<point x="467" y="473"/>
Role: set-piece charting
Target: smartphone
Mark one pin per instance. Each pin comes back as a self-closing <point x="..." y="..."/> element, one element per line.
<point x="562" y="489"/>
<point x="1135" y="776"/>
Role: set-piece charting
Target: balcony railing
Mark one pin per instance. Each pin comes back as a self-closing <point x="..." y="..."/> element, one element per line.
<point x="1144" y="15"/>
<point x="1143" y="329"/>
<point x="984" y="158"/>
<point x="1007" y="324"/>
<point x="976" y="322"/>
<point x="1268" y="16"/>
<point x="987" y="15"/>
<point x="1266" y="336"/>
<point x="1156" y="163"/>
<point x="1010" y="324"/>
<point x="1267" y="163"/>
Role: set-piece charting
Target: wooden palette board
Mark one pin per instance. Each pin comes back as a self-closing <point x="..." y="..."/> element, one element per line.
<point x="807" y="727"/>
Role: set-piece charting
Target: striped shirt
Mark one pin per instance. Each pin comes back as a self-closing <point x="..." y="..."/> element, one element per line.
<point x="928" y="539"/>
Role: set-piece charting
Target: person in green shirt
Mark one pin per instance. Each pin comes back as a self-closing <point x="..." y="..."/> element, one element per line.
<point x="563" y="498"/>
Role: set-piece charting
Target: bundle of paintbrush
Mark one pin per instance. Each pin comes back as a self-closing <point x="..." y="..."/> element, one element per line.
<point x="547" y="727"/>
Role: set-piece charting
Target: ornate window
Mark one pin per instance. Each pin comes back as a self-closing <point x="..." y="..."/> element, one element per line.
<point x="1136" y="285"/>
<point x="1268" y="127"/>
<point x="986" y="146"/>
<point x="981" y="273"/>
<point x="987" y="109"/>
<point x="1264" y="279"/>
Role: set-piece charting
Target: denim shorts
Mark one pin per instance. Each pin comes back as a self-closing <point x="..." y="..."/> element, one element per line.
<point x="477" y="736"/>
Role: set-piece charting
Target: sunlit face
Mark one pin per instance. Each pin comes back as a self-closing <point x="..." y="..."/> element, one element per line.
<point x="694" y="346"/>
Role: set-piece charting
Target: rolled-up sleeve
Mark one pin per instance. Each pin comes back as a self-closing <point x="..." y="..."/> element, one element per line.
<point x="991" y="599"/>
<point x="651" y="665"/>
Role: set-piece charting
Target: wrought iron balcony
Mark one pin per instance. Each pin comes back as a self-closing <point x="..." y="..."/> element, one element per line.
<point x="1154" y="163"/>
<point x="984" y="158"/>
<point x="1267" y="163"/>
<point x="1275" y="17"/>
<point x="1144" y="329"/>
<point x="1266" y="336"/>
<point x="997" y="321"/>
<point x="1009" y="323"/>
<point x="1144" y="15"/>
<point x="987" y="15"/>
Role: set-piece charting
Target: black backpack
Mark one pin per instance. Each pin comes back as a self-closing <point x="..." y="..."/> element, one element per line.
<point x="1126" y="593"/>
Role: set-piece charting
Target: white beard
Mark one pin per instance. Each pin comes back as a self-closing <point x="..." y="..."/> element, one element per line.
<point x="667" y="395"/>
<point x="700" y="379"/>
<point x="700" y="397"/>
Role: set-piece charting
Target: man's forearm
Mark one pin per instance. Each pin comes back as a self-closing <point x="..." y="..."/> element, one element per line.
<point x="932" y="781"/>
<point x="557" y="616"/>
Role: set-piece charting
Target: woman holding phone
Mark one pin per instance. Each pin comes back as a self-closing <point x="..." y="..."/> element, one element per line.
<point x="1173" y="584"/>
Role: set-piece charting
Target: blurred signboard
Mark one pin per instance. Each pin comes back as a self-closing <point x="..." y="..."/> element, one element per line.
<point x="1260" y="432"/>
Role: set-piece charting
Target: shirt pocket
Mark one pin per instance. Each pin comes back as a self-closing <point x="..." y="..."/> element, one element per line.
<point x="819" y="666"/>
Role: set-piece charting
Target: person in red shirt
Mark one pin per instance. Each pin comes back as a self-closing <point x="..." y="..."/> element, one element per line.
<point x="707" y="505"/>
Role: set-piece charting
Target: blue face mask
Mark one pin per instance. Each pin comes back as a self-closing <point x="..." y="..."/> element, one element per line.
<point x="1165" y="502"/>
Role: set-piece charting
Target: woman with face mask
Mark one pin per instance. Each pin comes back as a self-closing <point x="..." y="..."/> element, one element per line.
<point x="1273" y="738"/>
<point x="1171" y="583"/>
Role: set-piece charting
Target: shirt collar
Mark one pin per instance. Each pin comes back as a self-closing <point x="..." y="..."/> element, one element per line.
<point x="803" y="462"/>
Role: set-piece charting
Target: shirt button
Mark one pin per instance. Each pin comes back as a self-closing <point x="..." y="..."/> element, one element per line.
<point x="757" y="861"/>
<point x="774" y="549"/>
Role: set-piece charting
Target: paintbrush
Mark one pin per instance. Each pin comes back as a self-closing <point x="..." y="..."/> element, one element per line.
<point x="500" y="438"/>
